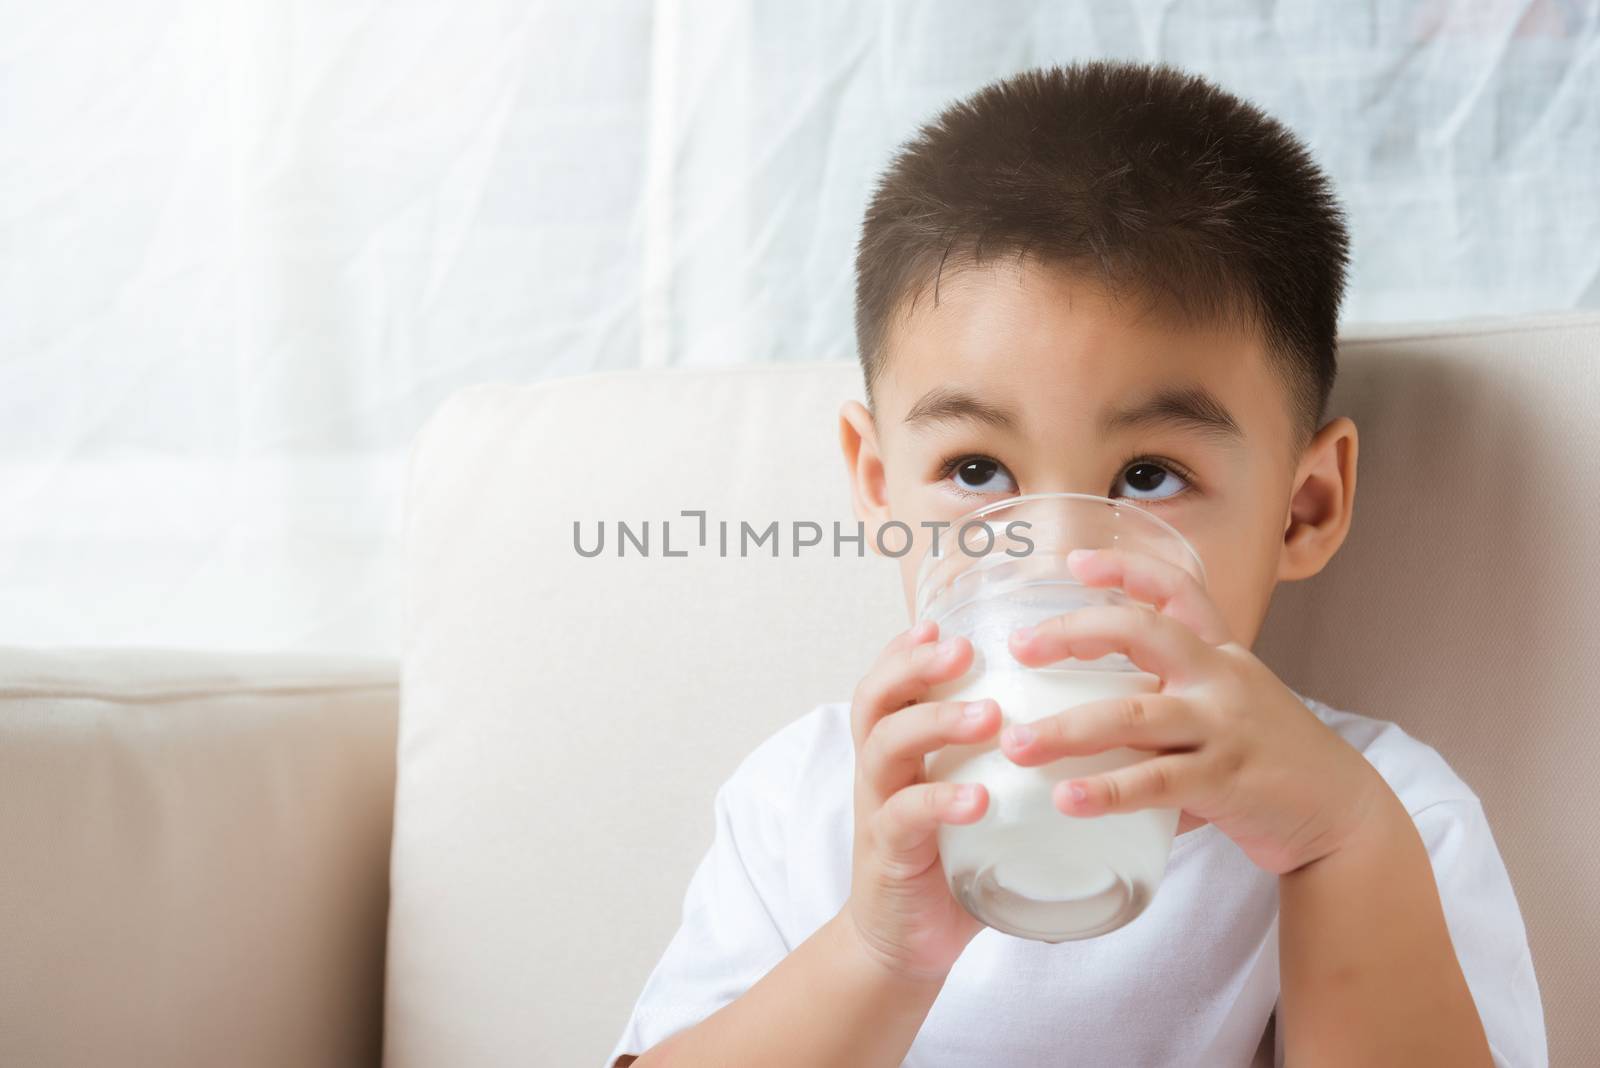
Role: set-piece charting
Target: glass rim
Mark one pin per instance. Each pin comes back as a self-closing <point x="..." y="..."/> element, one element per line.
<point x="929" y="559"/>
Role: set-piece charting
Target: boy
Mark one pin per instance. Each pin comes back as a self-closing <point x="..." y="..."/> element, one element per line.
<point x="1117" y="280"/>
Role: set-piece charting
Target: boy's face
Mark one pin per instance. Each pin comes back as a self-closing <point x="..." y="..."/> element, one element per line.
<point x="1027" y="362"/>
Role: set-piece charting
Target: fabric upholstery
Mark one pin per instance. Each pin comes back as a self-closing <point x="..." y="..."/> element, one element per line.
<point x="193" y="857"/>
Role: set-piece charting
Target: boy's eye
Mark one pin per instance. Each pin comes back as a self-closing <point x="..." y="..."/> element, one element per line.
<point x="1148" y="480"/>
<point x="979" y="474"/>
<point x="1148" y="476"/>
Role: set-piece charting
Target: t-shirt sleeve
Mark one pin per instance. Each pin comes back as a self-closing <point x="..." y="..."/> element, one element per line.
<point x="730" y="934"/>
<point x="1486" y="929"/>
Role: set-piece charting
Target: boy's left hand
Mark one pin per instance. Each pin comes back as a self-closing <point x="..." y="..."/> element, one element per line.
<point x="1232" y="744"/>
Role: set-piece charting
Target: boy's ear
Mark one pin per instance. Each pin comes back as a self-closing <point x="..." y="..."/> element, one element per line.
<point x="1323" y="501"/>
<point x="869" y="498"/>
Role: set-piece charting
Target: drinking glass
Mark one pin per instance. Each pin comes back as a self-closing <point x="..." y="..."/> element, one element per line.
<point x="1026" y="867"/>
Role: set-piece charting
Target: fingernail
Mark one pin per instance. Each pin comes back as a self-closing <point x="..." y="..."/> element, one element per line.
<point x="1022" y="634"/>
<point x="1018" y="734"/>
<point x="966" y="794"/>
<point x="948" y="647"/>
<point x="1064" y="796"/>
<point x="1079" y="555"/>
<point x="973" y="710"/>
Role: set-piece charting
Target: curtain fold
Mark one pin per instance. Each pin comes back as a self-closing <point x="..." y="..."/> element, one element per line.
<point x="246" y="246"/>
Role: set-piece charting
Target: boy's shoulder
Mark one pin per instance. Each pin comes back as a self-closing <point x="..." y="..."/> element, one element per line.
<point x="1417" y="773"/>
<point x="814" y="743"/>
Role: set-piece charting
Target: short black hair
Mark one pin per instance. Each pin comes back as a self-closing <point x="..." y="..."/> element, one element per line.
<point x="1152" y="178"/>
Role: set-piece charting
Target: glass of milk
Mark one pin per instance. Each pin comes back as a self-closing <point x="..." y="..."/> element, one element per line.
<point x="1026" y="867"/>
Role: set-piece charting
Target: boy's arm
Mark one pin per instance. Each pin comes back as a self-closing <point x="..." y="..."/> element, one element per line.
<point x="827" y="1002"/>
<point x="1368" y="972"/>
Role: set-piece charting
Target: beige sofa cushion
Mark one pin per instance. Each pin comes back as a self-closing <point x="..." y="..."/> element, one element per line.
<point x="566" y="721"/>
<point x="193" y="857"/>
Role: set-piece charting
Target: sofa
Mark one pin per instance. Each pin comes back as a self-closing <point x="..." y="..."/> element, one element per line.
<point x="472" y="854"/>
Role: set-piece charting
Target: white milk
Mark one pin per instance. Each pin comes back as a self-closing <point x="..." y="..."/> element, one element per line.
<point x="1026" y="867"/>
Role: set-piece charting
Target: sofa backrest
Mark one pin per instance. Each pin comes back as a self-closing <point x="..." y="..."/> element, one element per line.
<point x="565" y="721"/>
<point x="194" y="857"/>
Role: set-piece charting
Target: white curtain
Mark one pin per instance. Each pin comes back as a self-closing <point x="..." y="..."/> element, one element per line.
<point x="246" y="246"/>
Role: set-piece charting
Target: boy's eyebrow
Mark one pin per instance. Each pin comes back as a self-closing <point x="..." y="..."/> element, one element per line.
<point x="943" y="402"/>
<point x="1193" y="407"/>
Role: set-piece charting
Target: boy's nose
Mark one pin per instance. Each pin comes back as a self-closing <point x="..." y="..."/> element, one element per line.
<point x="1063" y="486"/>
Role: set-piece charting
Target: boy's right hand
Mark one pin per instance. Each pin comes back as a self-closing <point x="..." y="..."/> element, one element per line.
<point x="900" y="906"/>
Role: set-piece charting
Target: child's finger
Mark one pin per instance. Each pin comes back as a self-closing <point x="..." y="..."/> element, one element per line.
<point x="1166" y="587"/>
<point x="904" y="827"/>
<point x="902" y="677"/>
<point x="895" y="748"/>
<point x="1155" y="721"/>
<point x="1168" y="781"/>
<point x="921" y="631"/>
<point x="1155" y="643"/>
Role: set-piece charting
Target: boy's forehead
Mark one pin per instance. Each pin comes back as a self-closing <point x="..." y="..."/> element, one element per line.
<point x="1047" y="337"/>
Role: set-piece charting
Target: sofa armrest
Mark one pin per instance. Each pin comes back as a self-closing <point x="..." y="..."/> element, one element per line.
<point x="194" y="856"/>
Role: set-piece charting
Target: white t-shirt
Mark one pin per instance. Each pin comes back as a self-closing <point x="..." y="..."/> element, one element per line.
<point x="1192" y="980"/>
